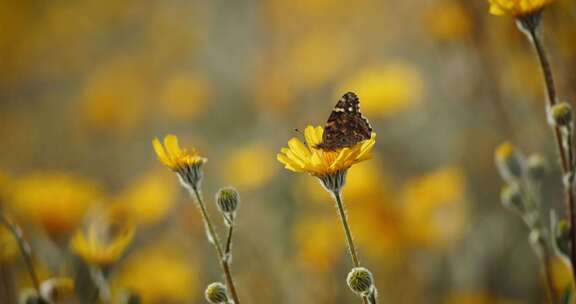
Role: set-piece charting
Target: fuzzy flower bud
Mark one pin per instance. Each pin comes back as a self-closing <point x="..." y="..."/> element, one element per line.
<point x="536" y="167"/>
<point x="360" y="280"/>
<point x="227" y="200"/>
<point x="216" y="293"/>
<point x="561" y="114"/>
<point x="512" y="198"/>
<point x="510" y="162"/>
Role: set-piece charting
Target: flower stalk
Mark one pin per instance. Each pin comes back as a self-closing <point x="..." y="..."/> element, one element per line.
<point x="25" y="250"/>
<point x="529" y="24"/>
<point x="214" y="240"/>
<point x="349" y="239"/>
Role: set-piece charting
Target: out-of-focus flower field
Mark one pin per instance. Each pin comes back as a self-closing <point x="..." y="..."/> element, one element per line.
<point x="85" y="87"/>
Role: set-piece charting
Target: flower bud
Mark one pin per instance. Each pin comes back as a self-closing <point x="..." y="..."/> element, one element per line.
<point x="561" y="114"/>
<point x="360" y="280"/>
<point x="57" y="290"/>
<point x="561" y="235"/>
<point x="510" y="162"/>
<point x="512" y="198"/>
<point x="216" y="293"/>
<point x="227" y="200"/>
<point x="536" y="167"/>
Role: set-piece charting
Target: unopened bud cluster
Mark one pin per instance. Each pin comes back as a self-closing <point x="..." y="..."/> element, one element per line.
<point x="216" y="293"/>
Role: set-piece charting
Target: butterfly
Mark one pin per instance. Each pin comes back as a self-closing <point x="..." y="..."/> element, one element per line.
<point x="346" y="126"/>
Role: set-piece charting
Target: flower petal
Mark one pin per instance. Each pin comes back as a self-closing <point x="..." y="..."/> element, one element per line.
<point x="298" y="148"/>
<point x="159" y="149"/>
<point x="171" y="144"/>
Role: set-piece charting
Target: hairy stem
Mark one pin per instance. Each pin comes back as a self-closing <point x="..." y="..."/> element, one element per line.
<point x="566" y="155"/>
<point x="24" y="250"/>
<point x="348" y="233"/>
<point x="217" y="246"/>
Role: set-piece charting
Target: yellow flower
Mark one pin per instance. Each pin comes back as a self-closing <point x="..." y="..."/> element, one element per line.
<point x="103" y="242"/>
<point x="387" y="89"/>
<point x="187" y="164"/>
<point x="147" y="201"/>
<point x="317" y="162"/>
<point x="435" y="213"/>
<point x="53" y="201"/>
<point x="239" y="167"/>
<point x="159" y="274"/>
<point x="517" y="8"/>
<point x="8" y="245"/>
<point x="58" y="290"/>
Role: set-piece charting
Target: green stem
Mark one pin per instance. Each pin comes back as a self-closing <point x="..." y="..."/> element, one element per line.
<point x="216" y="242"/>
<point x="24" y="250"/>
<point x="348" y="233"/>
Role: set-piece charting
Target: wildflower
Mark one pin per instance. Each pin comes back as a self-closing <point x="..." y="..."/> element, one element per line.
<point x="435" y="212"/>
<point x="57" y="290"/>
<point x="239" y="167"/>
<point x="387" y="89"/>
<point x="160" y="273"/>
<point x="53" y="201"/>
<point x="510" y="162"/>
<point x="360" y="281"/>
<point x="517" y="8"/>
<point x="329" y="166"/>
<point x="103" y="243"/>
<point x="8" y="245"/>
<point x="186" y="164"/>
<point x="216" y="293"/>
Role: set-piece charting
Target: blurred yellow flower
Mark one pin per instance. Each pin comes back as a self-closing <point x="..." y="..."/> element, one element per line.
<point x="147" y="201"/>
<point x="435" y="212"/>
<point x="239" y="168"/>
<point x="159" y="274"/>
<point x="114" y="95"/>
<point x="476" y="297"/>
<point x="175" y="158"/>
<point x="562" y="274"/>
<point x="517" y="8"/>
<point x="185" y="96"/>
<point x="58" y="290"/>
<point x="387" y="89"/>
<point x="317" y="162"/>
<point x="448" y="21"/>
<point x="103" y="242"/>
<point x="54" y="201"/>
<point x="319" y="245"/>
<point x="8" y="245"/>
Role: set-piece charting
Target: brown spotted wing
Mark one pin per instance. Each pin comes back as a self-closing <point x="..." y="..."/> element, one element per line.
<point x="346" y="126"/>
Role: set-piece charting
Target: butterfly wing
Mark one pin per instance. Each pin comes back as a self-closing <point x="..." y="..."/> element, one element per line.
<point x="346" y="126"/>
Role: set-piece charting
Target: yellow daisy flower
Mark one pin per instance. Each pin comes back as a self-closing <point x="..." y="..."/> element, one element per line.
<point x="517" y="8"/>
<point x="187" y="164"/>
<point x="102" y="243"/>
<point x="329" y="166"/>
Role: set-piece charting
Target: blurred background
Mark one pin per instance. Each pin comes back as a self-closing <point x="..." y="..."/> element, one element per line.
<point x="86" y="85"/>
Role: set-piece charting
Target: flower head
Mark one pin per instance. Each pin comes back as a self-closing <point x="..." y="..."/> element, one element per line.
<point x="103" y="242"/>
<point x="187" y="164"/>
<point x="517" y="8"/>
<point x="317" y="162"/>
